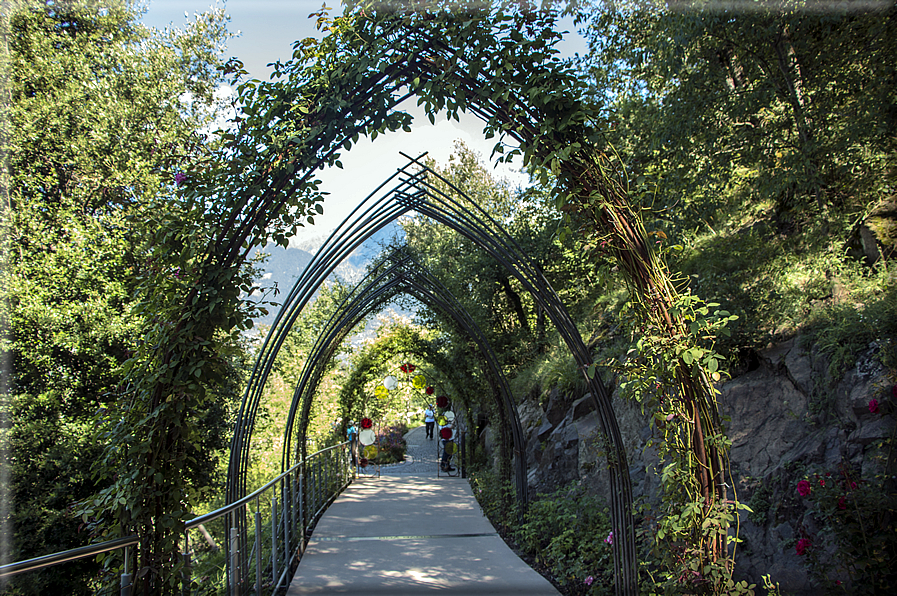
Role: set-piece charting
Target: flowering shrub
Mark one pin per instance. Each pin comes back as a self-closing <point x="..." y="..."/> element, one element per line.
<point x="392" y="445"/>
<point x="855" y="548"/>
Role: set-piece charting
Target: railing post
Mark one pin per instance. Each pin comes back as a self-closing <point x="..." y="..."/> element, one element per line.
<point x="318" y="488"/>
<point x="284" y="519"/>
<point x="234" y="557"/>
<point x="126" y="576"/>
<point x="274" y="536"/>
<point x="294" y="493"/>
<point x="258" y="547"/>
<point x="302" y="502"/>
<point x="186" y="574"/>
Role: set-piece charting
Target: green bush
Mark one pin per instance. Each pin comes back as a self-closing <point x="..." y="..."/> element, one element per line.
<point x="567" y="533"/>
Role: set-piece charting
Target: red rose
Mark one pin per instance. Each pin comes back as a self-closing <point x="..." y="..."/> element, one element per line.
<point x="802" y="545"/>
<point x="842" y="503"/>
<point x="873" y="406"/>
<point x="803" y="488"/>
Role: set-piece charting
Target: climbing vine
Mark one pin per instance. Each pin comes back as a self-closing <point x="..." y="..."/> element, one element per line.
<point x="257" y="186"/>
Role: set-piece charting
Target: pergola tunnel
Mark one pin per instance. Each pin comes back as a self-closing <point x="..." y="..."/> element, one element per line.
<point x="411" y="189"/>
<point x="496" y="63"/>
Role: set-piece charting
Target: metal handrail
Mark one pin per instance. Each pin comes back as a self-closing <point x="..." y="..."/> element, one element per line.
<point x="82" y="552"/>
<point x="66" y="556"/>
<point x="298" y="499"/>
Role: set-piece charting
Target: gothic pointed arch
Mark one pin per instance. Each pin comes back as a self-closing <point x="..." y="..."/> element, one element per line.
<point x="494" y="61"/>
<point x="413" y="190"/>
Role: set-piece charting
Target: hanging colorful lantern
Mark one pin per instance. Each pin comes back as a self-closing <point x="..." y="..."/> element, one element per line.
<point x="430" y="391"/>
<point x="390" y="383"/>
<point x="366" y="423"/>
<point x="419" y="382"/>
<point x="446" y="433"/>
<point x="363" y="462"/>
<point x="442" y="401"/>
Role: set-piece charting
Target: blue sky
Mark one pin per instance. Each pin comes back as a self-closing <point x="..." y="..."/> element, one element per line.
<point x="267" y="29"/>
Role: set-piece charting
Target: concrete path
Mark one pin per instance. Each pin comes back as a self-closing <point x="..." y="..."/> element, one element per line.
<point x="411" y="533"/>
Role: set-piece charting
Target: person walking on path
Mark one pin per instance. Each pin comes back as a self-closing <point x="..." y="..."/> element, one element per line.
<point x="448" y="448"/>
<point x="429" y="420"/>
<point x="352" y="435"/>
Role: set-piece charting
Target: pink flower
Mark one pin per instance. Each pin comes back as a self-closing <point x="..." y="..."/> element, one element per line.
<point x="179" y="178"/>
<point x="842" y="503"/>
<point x="802" y="545"/>
<point x="822" y="482"/>
<point x="589" y="580"/>
<point x="803" y="488"/>
<point x="873" y="406"/>
<point x="610" y="538"/>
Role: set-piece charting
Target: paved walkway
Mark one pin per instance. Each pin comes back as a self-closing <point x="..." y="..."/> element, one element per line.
<point x="409" y="532"/>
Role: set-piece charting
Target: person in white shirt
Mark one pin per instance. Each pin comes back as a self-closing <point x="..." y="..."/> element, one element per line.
<point x="430" y="421"/>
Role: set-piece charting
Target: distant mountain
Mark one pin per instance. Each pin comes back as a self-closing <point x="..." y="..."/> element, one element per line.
<point x="284" y="265"/>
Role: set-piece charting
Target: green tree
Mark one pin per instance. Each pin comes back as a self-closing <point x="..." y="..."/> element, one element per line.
<point x="100" y="108"/>
<point x="503" y="309"/>
<point x="756" y="142"/>
<point x="762" y="141"/>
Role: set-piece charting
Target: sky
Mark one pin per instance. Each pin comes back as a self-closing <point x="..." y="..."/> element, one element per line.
<point x="267" y="29"/>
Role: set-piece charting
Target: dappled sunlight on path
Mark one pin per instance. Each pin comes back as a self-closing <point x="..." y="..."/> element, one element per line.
<point x="411" y="534"/>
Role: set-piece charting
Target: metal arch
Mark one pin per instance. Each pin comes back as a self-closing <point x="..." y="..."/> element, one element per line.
<point x="412" y="48"/>
<point x="336" y="248"/>
<point x="498" y="243"/>
<point x="479" y="227"/>
<point x="370" y="294"/>
<point x="413" y="191"/>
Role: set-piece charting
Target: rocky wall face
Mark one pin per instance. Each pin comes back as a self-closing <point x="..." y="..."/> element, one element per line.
<point x="786" y="418"/>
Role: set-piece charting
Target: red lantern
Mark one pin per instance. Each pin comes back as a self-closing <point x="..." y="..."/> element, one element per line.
<point x="404" y="368"/>
<point x="430" y="390"/>
<point x="442" y="401"/>
<point x="411" y="368"/>
<point x="366" y="423"/>
<point x="363" y="462"/>
<point x="446" y="433"/>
